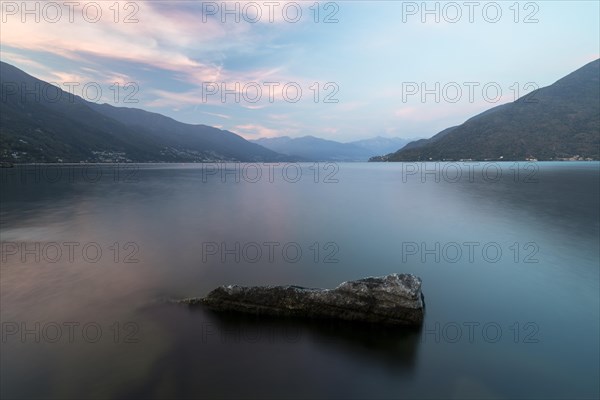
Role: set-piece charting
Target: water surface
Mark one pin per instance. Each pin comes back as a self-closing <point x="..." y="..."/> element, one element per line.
<point x="520" y="323"/>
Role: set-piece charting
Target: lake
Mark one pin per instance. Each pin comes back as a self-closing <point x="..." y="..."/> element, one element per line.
<point x="91" y="254"/>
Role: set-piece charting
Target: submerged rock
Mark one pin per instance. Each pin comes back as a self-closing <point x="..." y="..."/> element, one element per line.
<point x="393" y="299"/>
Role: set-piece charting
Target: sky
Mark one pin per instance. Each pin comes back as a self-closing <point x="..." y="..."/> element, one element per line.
<point x="343" y="70"/>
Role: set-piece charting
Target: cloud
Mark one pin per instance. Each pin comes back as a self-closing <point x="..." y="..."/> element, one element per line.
<point x="279" y="117"/>
<point x="118" y="78"/>
<point x="165" y="98"/>
<point x="174" y="38"/>
<point x="21" y="60"/>
<point x="254" y="131"/>
<point x="66" y="77"/>
<point x="406" y="112"/>
<point x="161" y="39"/>
<point x="330" y="130"/>
<point x="253" y="107"/>
<point x="217" y="115"/>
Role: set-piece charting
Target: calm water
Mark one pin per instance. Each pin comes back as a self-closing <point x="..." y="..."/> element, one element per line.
<point x="510" y="269"/>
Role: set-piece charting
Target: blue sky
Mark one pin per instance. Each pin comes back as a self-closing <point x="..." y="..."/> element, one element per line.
<point x="370" y="67"/>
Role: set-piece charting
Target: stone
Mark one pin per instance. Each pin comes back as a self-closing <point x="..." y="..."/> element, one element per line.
<point x="394" y="299"/>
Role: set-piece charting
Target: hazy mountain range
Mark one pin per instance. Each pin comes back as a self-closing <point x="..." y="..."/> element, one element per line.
<point x="311" y="148"/>
<point x="39" y="124"/>
<point x="560" y="121"/>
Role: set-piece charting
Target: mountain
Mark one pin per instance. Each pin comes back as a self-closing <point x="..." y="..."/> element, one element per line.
<point x="311" y="148"/>
<point x="381" y="145"/>
<point x="41" y="123"/>
<point x="560" y="121"/>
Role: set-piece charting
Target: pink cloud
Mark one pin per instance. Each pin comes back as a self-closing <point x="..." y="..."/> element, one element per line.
<point x="217" y="115"/>
<point x="254" y="131"/>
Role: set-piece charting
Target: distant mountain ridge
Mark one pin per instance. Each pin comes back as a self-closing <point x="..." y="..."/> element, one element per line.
<point x="311" y="148"/>
<point x="67" y="128"/>
<point x="382" y="145"/>
<point x="557" y="122"/>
